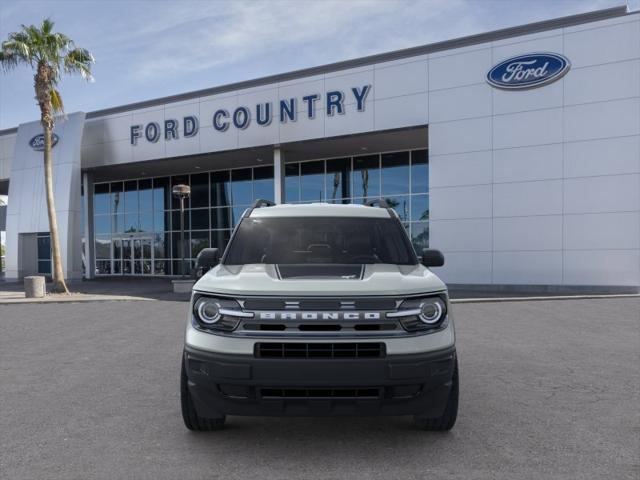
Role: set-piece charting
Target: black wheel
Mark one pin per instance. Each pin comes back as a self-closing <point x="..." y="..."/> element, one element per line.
<point x="448" y="418"/>
<point x="191" y="418"/>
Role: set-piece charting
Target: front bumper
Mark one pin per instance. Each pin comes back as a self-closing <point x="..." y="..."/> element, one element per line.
<point x="412" y="384"/>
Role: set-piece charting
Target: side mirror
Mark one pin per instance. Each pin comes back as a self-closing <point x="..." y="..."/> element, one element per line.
<point x="206" y="260"/>
<point x="432" y="257"/>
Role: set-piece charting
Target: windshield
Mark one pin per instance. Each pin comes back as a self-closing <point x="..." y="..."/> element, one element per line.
<point x="320" y="240"/>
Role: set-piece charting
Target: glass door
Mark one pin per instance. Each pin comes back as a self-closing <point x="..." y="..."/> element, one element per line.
<point x="142" y="256"/>
<point x="133" y="256"/>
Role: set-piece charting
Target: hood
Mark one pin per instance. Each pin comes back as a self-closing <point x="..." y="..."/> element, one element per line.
<point x="263" y="279"/>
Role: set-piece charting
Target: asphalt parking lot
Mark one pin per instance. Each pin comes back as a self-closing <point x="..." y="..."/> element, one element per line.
<point x="549" y="389"/>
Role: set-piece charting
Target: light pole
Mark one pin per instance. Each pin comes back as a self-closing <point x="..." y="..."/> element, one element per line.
<point x="182" y="192"/>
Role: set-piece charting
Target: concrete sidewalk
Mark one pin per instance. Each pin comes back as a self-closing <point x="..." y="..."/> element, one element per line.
<point x="103" y="289"/>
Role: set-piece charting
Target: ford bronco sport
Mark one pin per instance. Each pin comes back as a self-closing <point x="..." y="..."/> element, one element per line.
<point x="319" y="309"/>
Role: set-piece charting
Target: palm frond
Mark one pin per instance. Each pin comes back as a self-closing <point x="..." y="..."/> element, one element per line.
<point x="79" y="60"/>
<point x="52" y="53"/>
<point x="56" y="101"/>
<point x="47" y="26"/>
<point x="8" y="60"/>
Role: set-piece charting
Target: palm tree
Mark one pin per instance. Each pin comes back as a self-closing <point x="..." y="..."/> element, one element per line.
<point x="50" y="55"/>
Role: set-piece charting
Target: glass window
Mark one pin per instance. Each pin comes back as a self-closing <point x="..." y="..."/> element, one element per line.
<point x="117" y="223"/>
<point x="263" y="187"/>
<point x="420" y="236"/>
<point x="241" y="192"/>
<point x="161" y="221"/>
<point x="200" y="190"/>
<point x="101" y="198"/>
<point x="103" y="247"/>
<point x="292" y="182"/>
<point x="200" y="219"/>
<point x="395" y="173"/>
<point x="199" y="240"/>
<point x="131" y="196"/>
<point x="179" y="180"/>
<point x="180" y="268"/>
<point x="131" y="222"/>
<point x="176" y="251"/>
<point x="117" y="198"/>
<point x="103" y="267"/>
<point x="102" y="224"/>
<point x="145" y="195"/>
<point x="401" y="205"/>
<point x="160" y="245"/>
<point x="220" y="189"/>
<point x="338" y="183"/>
<point x="312" y="181"/>
<point x="220" y="238"/>
<point x="220" y="218"/>
<point x="326" y="240"/>
<point x="162" y="267"/>
<point x="43" y="241"/>
<point x="161" y="194"/>
<point x="366" y="177"/>
<point x="117" y="249"/>
<point x="44" y="267"/>
<point x="175" y="220"/>
<point x="146" y="221"/>
<point x="419" y="171"/>
<point x="420" y="207"/>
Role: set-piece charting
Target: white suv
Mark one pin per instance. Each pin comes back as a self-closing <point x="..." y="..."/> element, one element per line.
<point x="319" y="309"/>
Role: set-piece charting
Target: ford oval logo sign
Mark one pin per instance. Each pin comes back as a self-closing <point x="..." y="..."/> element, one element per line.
<point x="528" y="71"/>
<point x="37" y="142"/>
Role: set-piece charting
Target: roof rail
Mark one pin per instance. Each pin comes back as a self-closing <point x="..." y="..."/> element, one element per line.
<point x="382" y="203"/>
<point x="262" y="203"/>
<point x="258" y="204"/>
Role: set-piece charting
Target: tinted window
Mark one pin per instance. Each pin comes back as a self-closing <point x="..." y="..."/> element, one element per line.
<point x="312" y="181"/>
<point x="337" y="179"/>
<point x="263" y="183"/>
<point x="395" y="173"/>
<point x="366" y="176"/>
<point x="316" y="240"/>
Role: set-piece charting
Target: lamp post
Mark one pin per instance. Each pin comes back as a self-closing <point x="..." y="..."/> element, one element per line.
<point x="182" y="192"/>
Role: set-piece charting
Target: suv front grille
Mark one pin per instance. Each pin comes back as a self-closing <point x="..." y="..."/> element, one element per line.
<point x="322" y="304"/>
<point x="319" y="350"/>
<point x="320" y="392"/>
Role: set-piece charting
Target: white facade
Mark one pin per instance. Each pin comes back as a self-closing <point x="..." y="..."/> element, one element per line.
<point x="527" y="187"/>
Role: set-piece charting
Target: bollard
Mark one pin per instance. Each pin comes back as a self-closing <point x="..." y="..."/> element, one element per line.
<point x="34" y="287"/>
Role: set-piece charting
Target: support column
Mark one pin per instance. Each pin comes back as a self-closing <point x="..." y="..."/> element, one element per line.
<point x="278" y="175"/>
<point x="87" y="212"/>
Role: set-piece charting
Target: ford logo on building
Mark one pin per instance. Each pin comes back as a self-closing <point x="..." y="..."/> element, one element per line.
<point x="528" y="71"/>
<point x="37" y="142"/>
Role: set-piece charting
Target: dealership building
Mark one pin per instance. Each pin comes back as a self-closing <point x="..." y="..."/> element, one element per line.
<point x="515" y="152"/>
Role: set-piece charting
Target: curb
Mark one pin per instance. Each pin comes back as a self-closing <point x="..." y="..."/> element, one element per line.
<point x="45" y="300"/>
<point x="122" y="298"/>
<point x="539" y="299"/>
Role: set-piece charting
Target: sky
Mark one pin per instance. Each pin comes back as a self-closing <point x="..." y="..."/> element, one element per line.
<point x="146" y="49"/>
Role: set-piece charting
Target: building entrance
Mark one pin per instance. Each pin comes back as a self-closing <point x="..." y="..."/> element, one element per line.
<point x="133" y="256"/>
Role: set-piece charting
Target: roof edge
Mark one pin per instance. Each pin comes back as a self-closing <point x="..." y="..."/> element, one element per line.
<point x="535" y="27"/>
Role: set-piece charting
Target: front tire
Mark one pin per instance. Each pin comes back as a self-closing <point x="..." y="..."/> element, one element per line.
<point x="191" y="418"/>
<point x="448" y="418"/>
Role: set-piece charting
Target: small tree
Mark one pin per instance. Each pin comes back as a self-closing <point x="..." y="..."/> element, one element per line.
<point x="49" y="54"/>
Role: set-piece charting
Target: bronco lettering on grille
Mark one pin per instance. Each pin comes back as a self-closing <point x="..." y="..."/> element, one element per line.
<point x="319" y="315"/>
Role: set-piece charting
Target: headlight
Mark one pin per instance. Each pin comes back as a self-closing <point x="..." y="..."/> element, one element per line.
<point x="431" y="311"/>
<point x="208" y="310"/>
<point x="213" y="313"/>
<point x="417" y="314"/>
